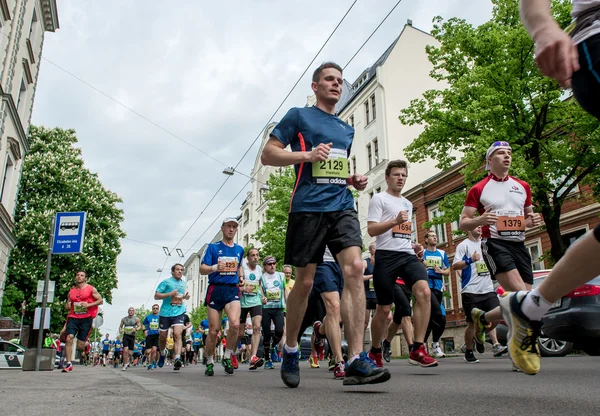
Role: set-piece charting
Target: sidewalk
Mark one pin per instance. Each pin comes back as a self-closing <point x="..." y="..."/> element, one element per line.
<point x="86" y="391"/>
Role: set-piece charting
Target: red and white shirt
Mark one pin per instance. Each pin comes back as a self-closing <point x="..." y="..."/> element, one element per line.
<point x="508" y="198"/>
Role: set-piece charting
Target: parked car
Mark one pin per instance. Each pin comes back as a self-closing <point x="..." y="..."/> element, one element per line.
<point x="572" y="322"/>
<point x="11" y="355"/>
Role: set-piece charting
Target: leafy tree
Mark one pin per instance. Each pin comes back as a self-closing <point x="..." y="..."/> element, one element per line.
<point x="54" y="179"/>
<point x="495" y="92"/>
<point x="11" y="307"/>
<point x="198" y="314"/>
<point x="271" y="234"/>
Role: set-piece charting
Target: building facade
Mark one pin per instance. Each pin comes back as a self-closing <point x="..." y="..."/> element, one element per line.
<point x="23" y="25"/>
<point x="195" y="282"/>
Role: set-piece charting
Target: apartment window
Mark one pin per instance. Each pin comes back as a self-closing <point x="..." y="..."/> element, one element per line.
<point x="22" y="96"/>
<point x="353" y="164"/>
<point x="246" y="216"/>
<point x="440" y="229"/>
<point x="373" y="107"/>
<point x="5" y="10"/>
<point x="535" y="251"/>
<point x="376" y="151"/>
<point x="414" y="237"/>
<point x="369" y="154"/>
<point x="367" y="115"/>
<point x="258" y="225"/>
<point x="246" y="240"/>
<point x="572" y="236"/>
<point x="7" y="179"/>
<point x="351" y="120"/>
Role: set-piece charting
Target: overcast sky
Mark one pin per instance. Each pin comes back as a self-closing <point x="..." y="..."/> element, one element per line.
<point x="211" y="73"/>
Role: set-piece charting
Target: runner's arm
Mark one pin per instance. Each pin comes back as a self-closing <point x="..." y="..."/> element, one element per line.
<point x="377" y="228"/>
<point x="366" y="276"/>
<point x="97" y="299"/>
<point x="536" y="16"/>
<point x="274" y="154"/>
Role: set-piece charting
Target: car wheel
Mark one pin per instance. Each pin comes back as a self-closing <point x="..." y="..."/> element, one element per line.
<point x="550" y="347"/>
<point x="592" y="350"/>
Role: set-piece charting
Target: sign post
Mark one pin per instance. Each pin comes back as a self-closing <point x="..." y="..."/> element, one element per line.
<point x="66" y="237"/>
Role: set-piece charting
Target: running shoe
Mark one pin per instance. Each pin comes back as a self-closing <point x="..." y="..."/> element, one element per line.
<point x="116" y="365"/>
<point x="476" y="315"/>
<point x="204" y="361"/>
<point x="376" y="357"/>
<point x="269" y="365"/>
<point x="149" y="367"/>
<point x="480" y="348"/>
<point x="364" y="371"/>
<point x="210" y="370"/>
<point x="319" y="341"/>
<point x="177" y="364"/>
<point x="331" y="363"/>
<point x="274" y="356"/>
<point x="161" y="361"/>
<point x="386" y="350"/>
<point x="125" y="367"/>
<point x="470" y="357"/>
<point x="437" y="351"/>
<point x="420" y="357"/>
<point x="339" y="372"/>
<point x="290" y="370"/>
<point x="523" y="333"/>
<point x="234" y="362"/>
<point x="67" y="368"/>
<point x="226" y="363"/>
<point x="256" y="362"/>
<point x="499" y="349"/>
<point x="314" y="361"/>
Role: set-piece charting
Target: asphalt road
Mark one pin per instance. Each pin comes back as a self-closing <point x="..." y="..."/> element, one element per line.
<point x="564" y="386"/>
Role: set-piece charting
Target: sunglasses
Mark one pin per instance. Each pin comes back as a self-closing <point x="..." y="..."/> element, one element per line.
<point x="270" y="264"/>
<point x="496" y="144"/>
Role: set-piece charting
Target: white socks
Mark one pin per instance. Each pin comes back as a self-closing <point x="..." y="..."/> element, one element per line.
<point x="210" y="360"/>
<point x="291" y="350"/>
<point x="353" y="358"/>
<point x="534" y="306"/>
<point x="228" y="354"/>
<point x="436" y="344"/>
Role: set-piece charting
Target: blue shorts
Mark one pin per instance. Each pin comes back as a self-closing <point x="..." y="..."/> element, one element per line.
<point x="217" y="296"/>
<point x="166" y="322"/>
<point x="328" y="278"/>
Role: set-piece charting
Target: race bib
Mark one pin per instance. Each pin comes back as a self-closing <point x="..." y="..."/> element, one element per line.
<point x="510" y="223"/>
<point x="482" y="268"/>
<point x="197" y="340"/>
<point x="334" y="170"/>
<point x="176" y="300"/>
<point x="433" y="261"/>
<point x="206" y="331"/>
<point x="128" y="329"/>
<point x="231" y="266"/>
<point x="78" y="309"/>
<point x="253" y="289"/>
<point x="403" y="230"/>
<point x="273" y="295"/>
<point x="371" y="284"/>
<point x="154" y="325"/>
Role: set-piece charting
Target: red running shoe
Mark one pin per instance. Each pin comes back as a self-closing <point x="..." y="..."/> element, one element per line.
<point x="420" y="357"/>
<point x="234" y="362"/>
<point x="377" y="358"/>
<point x="339" y="371"/>
<point x="319" y="341"/>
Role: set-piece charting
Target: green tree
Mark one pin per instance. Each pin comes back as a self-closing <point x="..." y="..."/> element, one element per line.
<point x="141" y="313"/>
<point x="271" y="234"/>
<point x="495" y="92"/>
<point x="54" y="179"/>
<point x="198" y="314"/>
<point x="11" y="306"/>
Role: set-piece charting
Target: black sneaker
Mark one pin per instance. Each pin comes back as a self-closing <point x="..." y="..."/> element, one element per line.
<point x="177" y="364"/>
<point x="290" y="370"/>
<point x="332" y="363"/>
<point x="364" y="371"/>
<point x="204" y="361"/>
<point x="470" y="357"/>
<point x="210" y="370"/>
<point x="386" y="349"/>
<point x="226" y="363"/>
<point x="480" y="347"/>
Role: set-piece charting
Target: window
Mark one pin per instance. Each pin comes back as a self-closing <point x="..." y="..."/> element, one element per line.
<point x="258" y="225"/>
<point x="414" y="237"/>
<point x="373" y="107"/>
<point x="440" y="229"/>
<point x="367" y="116"/>
<point x="561" y="191"/>
<point x="351" y="120"/>
<point x="535" y="251"/>
<point x="5" y="192"/>
<point x="246" y="240"/>
<point x="353" y="164"/>
<point x="376" y="151"/>
<point x="369" y="154"/>
<point x="570" y="237"/>
<point x="246" y="216"/>
<point x="22" y="96"/>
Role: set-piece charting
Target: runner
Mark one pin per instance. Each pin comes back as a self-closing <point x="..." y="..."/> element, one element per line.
<point x="402" y="318"/>
<point x="289" y="282"/>
<point x="322" y="213"/>
<point x="106" y="343"/>
<point x="197" y="342"/>
<point x="82" y="303"/>
<point x="389" y="219"/>
<point x="204" y="325"/>
<point x="368" y="282"/>
<point x="117" y="353"/>
<point x="505" y="210"/>
<point x="438" y="266"/>
<point x="222" y="263"/>
<point x="151" y="324"/>
<point x="129" y="326"/>
<point x="273" y="287"/>
<point x="172" y="292"/>
<point x="477" y="290"/>
<point x="573" y="62"/>
<point x="324" y="312"/>
<point x="186" y="335"/>
<point x="251" y="303"/>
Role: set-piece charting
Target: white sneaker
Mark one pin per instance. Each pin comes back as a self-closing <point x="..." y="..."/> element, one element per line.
<point x="437" y="352"/>
<point x="125" y="367"/>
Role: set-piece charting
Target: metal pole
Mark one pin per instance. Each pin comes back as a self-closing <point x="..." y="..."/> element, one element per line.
<point x="38" y="354"/>
<point x="21" y="327"/>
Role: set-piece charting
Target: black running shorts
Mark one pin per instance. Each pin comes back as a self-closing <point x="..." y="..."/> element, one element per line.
<point x="253" y="311"/>
<point x="129" y="341"/>
<point x="502" y="256"/>
<point x="597" y="232"/>
<point x="309" y="232"/>
<point x="151" y="341"/>
<point x="390" y="265"/>
<point x="79" y="327"/>
<point x="484" y="301"/>
<point x="586" y="81"/>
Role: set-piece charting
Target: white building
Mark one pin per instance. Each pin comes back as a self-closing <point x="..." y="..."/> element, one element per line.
<point x="23" y="25"/>
<point x="196" y="283"/>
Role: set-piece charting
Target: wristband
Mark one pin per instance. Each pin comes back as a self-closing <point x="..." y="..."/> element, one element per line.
<point x="215" y="267"/>
<point x="469" y="261"/>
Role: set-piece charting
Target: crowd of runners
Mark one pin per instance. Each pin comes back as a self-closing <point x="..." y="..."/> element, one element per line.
<point x="398" y="283"/>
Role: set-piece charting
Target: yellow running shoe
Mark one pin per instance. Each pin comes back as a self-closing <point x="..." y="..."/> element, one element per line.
<point x="523" y="333"/>
<point x="314" y="361"/>
<point x="476" y="315"/>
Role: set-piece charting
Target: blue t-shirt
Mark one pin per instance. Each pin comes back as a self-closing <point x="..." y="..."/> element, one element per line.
<point x="204" y="324"/>
<point x="166" y="286"/>
<point x="138" y="348"/>
<point x="151" y="324"/>
<point x="306" y="128"/>
<point x="118" y="346"/>
<point x="106" y="344"/>
<point x="436" y="258"/>
<point x="232" y="256"/>
<point x="197" y="337"/>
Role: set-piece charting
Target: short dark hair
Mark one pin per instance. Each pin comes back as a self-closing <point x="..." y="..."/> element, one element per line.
<point x="175" y="265"/>
<point x="429" y="232"/>
<point x="325" y="65"/>
<point x="250" y="251"/>
<point x="396" y="164"/>
<point x="81" y="271"/>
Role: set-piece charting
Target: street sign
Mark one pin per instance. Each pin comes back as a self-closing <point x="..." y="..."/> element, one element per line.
<point x="69" y="230"/>
<point x="40" y="291"/>
<point x="98" y="321"/>
<point x="38" y="315"/>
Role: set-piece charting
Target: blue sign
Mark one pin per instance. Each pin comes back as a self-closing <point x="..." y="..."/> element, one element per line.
<point x="69" y="229"/>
